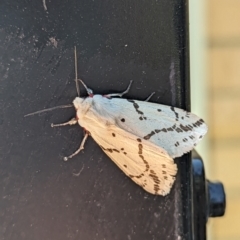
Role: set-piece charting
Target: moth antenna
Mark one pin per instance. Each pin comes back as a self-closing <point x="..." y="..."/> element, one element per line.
<point x="76" y="74"/>
<point x="49" y="109"/>
<point x="89" y="90"/>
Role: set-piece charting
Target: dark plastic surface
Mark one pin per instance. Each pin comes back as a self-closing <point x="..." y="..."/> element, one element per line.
<point x="117" y="41"/>
<point x="217" y="199"/>
<point x="209" y="199"/>
<point x="200" y="201"/>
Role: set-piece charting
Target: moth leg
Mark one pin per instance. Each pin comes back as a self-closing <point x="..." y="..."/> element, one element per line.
<point x="80" y="148"/>
<point x="148" y="98"/>
<point x="71" y="122"/>
<point x="119" y="94"/>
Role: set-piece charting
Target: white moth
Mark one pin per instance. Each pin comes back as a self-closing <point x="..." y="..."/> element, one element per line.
<point x="142" y="138"/>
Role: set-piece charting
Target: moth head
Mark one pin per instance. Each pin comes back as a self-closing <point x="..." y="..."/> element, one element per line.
<point x="78" y="102"/>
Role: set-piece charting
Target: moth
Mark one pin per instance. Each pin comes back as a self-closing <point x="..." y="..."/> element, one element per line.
<point x="142" y="138"/>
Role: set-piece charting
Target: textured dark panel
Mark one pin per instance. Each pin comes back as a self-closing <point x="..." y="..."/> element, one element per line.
<point x="117" y="41"/>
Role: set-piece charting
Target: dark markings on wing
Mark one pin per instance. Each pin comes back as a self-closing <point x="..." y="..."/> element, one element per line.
<point x="109" y="149"/>
<point x="170" y="129"/>
<point x="148" y="136"/>
<point x="140" y="147"/>
<point x="115" y="150"/>
<point x="176" y="114"/>
<point x="123" y="120"/>
<point x="179" y="129"/>
<point x="186" y="128"/>
<point x="142" y="118"/>
<point x="122" y="149"/>
<point x="144" y="184"/>
<point x="136" y="106"/>
<point x="187" y="114"/>
<point x="113" y="134"/>
<point x="156" y="180"/>
<point x="159" y="110"/>
<point x="145" y="162"/>
<point x="176" y="144"/>
<point x="151" y="173"/>
<point x="156" y="188"/>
